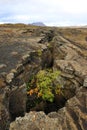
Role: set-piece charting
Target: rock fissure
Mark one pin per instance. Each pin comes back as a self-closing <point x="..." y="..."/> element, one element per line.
<point x="24" y="51"/>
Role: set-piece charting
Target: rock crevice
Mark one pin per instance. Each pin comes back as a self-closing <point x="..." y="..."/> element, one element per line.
<point x="24" y="50"/>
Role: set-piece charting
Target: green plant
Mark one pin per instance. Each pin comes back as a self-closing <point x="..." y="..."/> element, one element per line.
<point x="39" y="52"/>
<point x="43" y="85"/>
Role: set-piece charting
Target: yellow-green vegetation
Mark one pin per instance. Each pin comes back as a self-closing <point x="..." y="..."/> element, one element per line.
<point x="49" y="45"/>
<point x="43" y="85"/>
<point x="39" y="52"/>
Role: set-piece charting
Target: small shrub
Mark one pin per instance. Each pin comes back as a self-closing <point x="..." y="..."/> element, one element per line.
<point x="43" y="85"/>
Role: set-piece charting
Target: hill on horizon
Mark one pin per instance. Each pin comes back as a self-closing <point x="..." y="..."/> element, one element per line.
<point x="38" y="24"/>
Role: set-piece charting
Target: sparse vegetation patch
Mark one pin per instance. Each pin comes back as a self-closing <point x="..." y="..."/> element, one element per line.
<point x="42" y="86"/>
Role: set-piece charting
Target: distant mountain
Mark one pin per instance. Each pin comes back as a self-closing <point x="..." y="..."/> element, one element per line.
<point x="38" y="24"/>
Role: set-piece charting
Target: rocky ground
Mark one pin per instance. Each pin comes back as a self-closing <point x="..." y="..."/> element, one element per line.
<point x="71" y="117"/>
<point x="26" y="49"/>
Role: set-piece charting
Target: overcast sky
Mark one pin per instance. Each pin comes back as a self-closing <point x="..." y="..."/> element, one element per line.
<point x="50" y="12"/>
